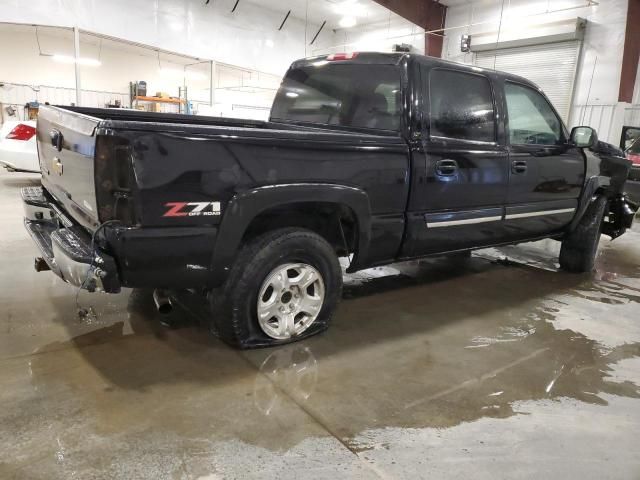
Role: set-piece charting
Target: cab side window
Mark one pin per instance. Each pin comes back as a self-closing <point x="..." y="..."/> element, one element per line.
<point x="461" y="106"/>
<point x="532" y="121"/>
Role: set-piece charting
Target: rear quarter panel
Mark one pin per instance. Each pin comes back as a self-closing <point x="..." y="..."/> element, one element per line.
<point x="215" y="165"/>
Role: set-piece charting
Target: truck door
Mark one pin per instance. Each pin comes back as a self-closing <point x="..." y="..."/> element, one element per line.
<point x="547" y="172"/>
<point x="460" y="168"/>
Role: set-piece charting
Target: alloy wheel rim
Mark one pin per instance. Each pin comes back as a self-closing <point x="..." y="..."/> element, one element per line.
<point x="290" y="300"/>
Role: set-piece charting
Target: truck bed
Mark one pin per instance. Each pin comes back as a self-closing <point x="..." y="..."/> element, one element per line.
<point x="161" y="120"/>
<point x="159" y="158"/>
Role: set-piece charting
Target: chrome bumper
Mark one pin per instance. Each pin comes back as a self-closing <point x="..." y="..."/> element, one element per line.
<point x="65" y="247"/>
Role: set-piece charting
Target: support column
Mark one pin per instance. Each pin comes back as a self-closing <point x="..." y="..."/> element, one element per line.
<point x="76" y="54"/>
<point x="212" y="88"/>
<point x="427" y="14"/>
<point x="631" y="53"/>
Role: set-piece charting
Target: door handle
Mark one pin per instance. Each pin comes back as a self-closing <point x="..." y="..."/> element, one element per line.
<point x="519" y="166"/>
<point x="56" y="139"/>
<point x="446" y="167"/>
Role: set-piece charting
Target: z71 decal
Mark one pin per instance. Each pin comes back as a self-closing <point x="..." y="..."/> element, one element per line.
<point x="191" y="209"/>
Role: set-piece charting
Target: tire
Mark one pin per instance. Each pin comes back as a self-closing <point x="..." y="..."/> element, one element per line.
<point x="579" y="248"/>
<point x="235" y="305"/>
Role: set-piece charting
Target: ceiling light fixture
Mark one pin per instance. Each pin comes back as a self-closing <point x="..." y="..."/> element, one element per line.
<point x="347" y="22"/>
<point x="350" y="8"/>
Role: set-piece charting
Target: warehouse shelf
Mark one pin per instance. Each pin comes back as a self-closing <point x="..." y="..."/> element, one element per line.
<point x="157" y="99"/>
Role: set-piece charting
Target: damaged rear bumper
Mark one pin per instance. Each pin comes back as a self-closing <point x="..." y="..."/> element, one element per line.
<point x="66" y="247"/>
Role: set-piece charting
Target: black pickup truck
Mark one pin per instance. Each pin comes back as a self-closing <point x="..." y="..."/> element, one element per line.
<point x="374" y="157"/>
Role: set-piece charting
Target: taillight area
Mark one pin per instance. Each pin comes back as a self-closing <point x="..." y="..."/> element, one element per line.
<point x="115" y="182"/>
<point x="22" y="132"/>
<point x="341" y="56"/>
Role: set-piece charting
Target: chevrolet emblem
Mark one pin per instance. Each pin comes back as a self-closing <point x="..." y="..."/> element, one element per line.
<point x="57" y="166"/>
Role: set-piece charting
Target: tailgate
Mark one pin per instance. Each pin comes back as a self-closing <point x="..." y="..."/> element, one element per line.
<point x="66" y="146"/>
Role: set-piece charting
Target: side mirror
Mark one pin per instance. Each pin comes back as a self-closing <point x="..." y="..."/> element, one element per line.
<point x="584" y="137"/>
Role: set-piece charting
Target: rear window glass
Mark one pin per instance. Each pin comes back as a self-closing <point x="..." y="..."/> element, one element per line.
<point x="350" y="95"/>
<point x="461" y="106"/>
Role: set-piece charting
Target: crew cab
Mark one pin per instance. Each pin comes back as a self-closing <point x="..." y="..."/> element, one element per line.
<point x="375" y="157"/>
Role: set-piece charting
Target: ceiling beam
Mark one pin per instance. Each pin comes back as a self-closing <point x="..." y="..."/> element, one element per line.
<point x="631" y="52"/>
<point x="428" y="14"/>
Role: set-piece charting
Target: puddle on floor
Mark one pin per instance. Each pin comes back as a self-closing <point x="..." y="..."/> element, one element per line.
<point x="436" y="354"/>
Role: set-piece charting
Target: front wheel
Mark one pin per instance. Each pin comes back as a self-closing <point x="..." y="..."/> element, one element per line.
<point x="579" y="248"/>
<point x="284" y="286"/>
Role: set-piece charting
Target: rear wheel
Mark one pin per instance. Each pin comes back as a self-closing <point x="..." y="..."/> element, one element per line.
<point x="579" y="248"/>
<point x="284" y="286"/>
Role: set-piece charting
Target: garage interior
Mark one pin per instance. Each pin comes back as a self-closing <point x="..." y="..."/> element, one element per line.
<point x="498" y="365"/>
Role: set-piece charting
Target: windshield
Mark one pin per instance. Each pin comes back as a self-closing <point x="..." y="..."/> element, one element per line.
<point x="350" y="95"/>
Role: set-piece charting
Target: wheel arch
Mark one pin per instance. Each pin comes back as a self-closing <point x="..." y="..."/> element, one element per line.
<point x="249" y="207"/>
<point x="595" y="185"/>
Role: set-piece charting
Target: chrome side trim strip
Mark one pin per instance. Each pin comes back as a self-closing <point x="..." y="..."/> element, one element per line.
<point x="462" y="140"/>
<point x="469" y="221"/>
<point x="539" y="213"/>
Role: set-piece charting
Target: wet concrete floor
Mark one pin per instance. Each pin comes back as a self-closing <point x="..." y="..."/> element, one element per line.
<point x="498" y="366"/>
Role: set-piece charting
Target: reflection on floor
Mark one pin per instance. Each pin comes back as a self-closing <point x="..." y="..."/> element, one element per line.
<point x="489" y="367"/>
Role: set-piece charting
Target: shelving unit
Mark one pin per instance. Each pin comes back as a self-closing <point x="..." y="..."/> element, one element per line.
<point x="180" y="103"/>
<point x="141" y="98"/>
<point x="171" y="103"/>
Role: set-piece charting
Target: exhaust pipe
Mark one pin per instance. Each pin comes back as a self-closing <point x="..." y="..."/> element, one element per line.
<point x="162" y="301"/>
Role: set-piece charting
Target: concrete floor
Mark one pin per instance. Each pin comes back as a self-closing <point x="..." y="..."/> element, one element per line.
<point x="497" y="366"/>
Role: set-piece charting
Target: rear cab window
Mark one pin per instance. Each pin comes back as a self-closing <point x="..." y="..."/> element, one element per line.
<point x="342" y="94"/>
<point x="461" y="106"/>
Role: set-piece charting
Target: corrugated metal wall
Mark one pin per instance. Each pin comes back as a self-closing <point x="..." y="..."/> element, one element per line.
<point x="600" y="117"/>
<point x="551" y="66"/>
<point x="632" y="116"/>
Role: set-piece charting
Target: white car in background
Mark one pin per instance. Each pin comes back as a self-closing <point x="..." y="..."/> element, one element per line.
<point x="18" y="151"/>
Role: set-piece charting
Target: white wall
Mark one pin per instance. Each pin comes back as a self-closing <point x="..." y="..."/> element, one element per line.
<point x="603" y="43"/>
<point x="249" y="37"/>
<point x="29" y="75"/>
<point x="23" y="63"/>
<point x="378" y="37"/>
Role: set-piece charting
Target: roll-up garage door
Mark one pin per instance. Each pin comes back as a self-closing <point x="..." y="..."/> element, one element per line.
<point x="551" y="66"/>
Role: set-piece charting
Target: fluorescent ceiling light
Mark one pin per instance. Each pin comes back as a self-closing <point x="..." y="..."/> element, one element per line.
<point x="176" y="72"/>
<point x="347" y="22"/>
<point x="350" y="8"/>
<point x="89" y="62"/>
